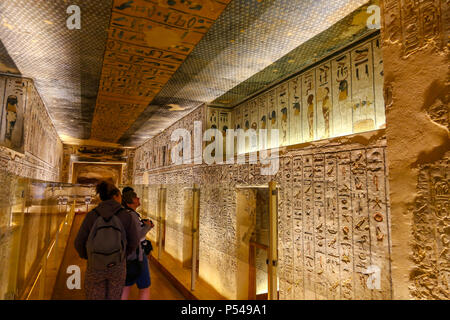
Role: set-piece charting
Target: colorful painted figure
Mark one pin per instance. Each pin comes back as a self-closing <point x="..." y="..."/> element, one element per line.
<point x="326" y="108"/>
<point x="11" y="116"/>
<point x="296" y="107"/>
<point x="311" y="116"/>
<point x="273" y="117"/>
<point x="284" y="124"/>
<point x="343" y="90"/>
<point x="263" y="122"/>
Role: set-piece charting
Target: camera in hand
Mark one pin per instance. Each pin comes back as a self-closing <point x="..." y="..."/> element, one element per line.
<point x="147" y="246"/>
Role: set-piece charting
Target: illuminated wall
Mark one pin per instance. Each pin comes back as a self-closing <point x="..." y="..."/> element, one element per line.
<point x="29" y="219"/>
<point x="340" y="96"/>
<point x="94" y="173"/>
<point x="333" y="209"/>
<point x="416" y="54"/>
<point x="333" y="216"/>
<point x="34" y="149"/>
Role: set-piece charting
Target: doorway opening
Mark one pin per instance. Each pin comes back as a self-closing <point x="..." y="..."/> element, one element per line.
<point x="253" y="225"/>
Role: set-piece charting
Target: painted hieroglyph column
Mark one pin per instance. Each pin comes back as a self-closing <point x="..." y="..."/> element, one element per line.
<point x="416" y="65"/>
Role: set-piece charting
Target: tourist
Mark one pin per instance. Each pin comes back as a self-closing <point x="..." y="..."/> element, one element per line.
<point x="137" y="262"/>
<point x="106" y="236"/>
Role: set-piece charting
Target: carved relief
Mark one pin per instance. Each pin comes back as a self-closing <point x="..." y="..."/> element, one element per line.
<point x="414" y="23"/>
<point x="333" y="221"/>
<point x="39" y="142"/>
<point x="431" y="223"/>
<point x="342" y="95"/>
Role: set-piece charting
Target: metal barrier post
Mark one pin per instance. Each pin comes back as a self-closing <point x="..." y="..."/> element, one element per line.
<point x="195" y="216"/>
<point x="273" y="231"/>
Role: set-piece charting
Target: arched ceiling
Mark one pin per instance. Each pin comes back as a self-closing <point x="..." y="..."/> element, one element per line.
<point x="137" y="66"/>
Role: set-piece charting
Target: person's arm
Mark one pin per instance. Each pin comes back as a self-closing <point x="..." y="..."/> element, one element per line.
<point x="133" y="239"/>
<point x="83" y="234"/>
<point x="145" y="228"/>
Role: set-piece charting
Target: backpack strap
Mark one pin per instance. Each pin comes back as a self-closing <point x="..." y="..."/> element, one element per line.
<point x="115" y="213"/>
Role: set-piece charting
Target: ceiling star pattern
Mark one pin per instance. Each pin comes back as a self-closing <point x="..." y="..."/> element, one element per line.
<point x="65" y="64"/>
<point x="343" y="33"/>
<point x="147" y="43"/>
<point x="246" y="39"/>
<point x="137" y="66"/>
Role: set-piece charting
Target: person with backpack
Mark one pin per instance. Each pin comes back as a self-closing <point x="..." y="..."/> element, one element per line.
<point x="106" y="237"/>
<point x="137" y="263"/>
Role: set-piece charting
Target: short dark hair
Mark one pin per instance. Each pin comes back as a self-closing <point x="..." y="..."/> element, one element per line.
<point x="106" y="190"/>
<point x="128" y="196"/>
<point x="125" y="189"/>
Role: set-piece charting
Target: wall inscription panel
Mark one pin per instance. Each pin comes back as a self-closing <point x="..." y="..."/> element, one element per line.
<point x="343" y="95"/>
<point x="333" y="223"/>
<point x="29" y="144"/>
<point x="430" y="277"/>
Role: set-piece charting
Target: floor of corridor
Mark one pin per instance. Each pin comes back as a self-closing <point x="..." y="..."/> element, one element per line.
<point x="160" y="289"/>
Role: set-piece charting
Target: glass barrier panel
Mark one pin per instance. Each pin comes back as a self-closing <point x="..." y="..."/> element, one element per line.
<point x="35" y="222"/>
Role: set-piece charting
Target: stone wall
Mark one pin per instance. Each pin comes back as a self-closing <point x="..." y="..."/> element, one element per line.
<point x="355" y="207"/>
<point x="415" y="51"/>
<point x="97" y="154"/>
<point x="39" y="156"/>
<point x="333" y="224"/>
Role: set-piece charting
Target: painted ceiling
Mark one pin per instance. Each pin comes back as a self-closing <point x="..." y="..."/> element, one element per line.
<point x="137" y="66"/>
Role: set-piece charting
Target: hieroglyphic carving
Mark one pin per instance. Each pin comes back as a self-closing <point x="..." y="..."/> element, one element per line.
<point x="12" y="112"/>
<point x="363" y="89"/>
<point x="286" y="226"/>
<point x="345" y="235"/>
<point x="324" y="109"/>
<point x="342" y="95"/>
<point x="147" y="42"/>
<point x="331" y="229"/>
<point x="308" y="227"/>
<point x="41" y="146"/>
<point x="283" y="113"/>
<point x="213" y="118"/>
<point x="430" y="278"/>
<point x="378" y="69"/>
<point x="272" y="116"/>
<point x="361" y="223"/>
<point x="320" y="248"/>
<point x="379" y="219"/>
<point x="297" y="219"/>
<point x="254" y="124"/>
<point x="415" y="23"/>
<point x="323" y="196"/>
<point x="263" y="112"/>
<point x="391" y="23"/>
<point x="410" y="28"/>
<point x="295" y="106"/>
<point x="333" y="221"/>
<point x="155" y="153"/>
<point x="309" y="98"/>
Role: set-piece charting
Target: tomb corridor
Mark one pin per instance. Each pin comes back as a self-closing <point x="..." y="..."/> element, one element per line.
<point x="284" y="149"/>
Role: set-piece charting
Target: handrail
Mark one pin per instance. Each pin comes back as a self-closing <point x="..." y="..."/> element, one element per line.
<point x="45" y="257"/>
<point x="259" y="245"/>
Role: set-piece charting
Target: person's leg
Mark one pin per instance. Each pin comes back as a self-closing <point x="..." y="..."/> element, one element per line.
<point x="143" y="282"/>
<point x="95" y="286"/>
<point x="129" y="283"/>
<point x="116" y="282"/>
<point x="144" y="294"/>
<point x="126" y="292"/>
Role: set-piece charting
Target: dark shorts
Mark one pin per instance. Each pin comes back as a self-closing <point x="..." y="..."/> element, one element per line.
<point x="143" y="281"/>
